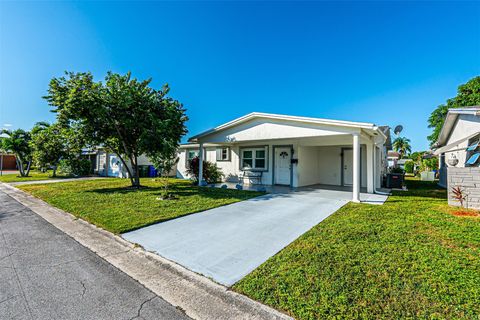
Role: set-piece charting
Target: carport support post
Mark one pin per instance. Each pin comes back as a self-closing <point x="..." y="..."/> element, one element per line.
<point x="200" y="164"/>
<point x="356" y="167"/>
<point x="370" y="167"/>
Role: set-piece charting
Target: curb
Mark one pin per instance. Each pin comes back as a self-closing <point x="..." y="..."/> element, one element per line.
<point x="198" y="296"/>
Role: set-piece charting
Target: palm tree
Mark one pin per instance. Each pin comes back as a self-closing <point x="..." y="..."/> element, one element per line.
<point x="402" y="146"/>
<point x="18" y="142"/>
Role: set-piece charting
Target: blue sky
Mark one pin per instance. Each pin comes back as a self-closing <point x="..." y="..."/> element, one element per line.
<point x="383" y="62"/>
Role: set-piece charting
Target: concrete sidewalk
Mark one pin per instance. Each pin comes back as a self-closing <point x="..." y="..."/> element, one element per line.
<point x="53" y="180"/>
<point x="197" y="296"/>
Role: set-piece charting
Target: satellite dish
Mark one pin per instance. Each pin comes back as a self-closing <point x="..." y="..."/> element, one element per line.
<point x="398" y="129"/>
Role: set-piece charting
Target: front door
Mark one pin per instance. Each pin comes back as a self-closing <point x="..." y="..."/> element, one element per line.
<point x="347" y="167"/>
<point x="283" y="157"/>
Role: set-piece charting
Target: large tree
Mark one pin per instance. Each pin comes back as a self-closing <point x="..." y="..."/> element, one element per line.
<point x="124" y="115"/>
<point x="402" y="146"/>
<point x="468" y="95"/>
<point x="18" y="143"/>
<point x="52" y="143"/>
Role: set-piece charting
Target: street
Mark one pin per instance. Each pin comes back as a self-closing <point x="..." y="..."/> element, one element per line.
<point x="45" y="274"/>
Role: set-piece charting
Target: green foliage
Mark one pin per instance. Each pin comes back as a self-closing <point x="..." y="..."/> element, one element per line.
<point x="211" y="173"/>
<point x="111" y="205"/>
<point x="468" y="94"/>
<point x="18" y="142"/>
<point x="397" y="170"/>
<point x="124" y="115"/>
<point x="75" y="167"/>
<point x="402" y="146"/>
<point x="408" y="258"/>
<point x="429" y="164"/>
<point x="409" y="166"/>
<point x="165" y="163"/>
<point x="417" y="155"/>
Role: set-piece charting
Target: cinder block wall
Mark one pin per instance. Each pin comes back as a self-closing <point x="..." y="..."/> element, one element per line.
<point x="469" y="180"/>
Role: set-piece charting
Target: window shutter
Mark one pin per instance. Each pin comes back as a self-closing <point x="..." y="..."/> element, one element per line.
<point x="219" y="154"/>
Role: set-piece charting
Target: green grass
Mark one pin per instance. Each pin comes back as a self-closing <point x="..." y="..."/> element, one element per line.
<point x="410" y="258"/>
<point x="110" y="204"/>
<point x="33" y="176"/>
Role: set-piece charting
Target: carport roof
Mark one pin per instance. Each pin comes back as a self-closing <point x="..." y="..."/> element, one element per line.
<point x="272" y="116"/>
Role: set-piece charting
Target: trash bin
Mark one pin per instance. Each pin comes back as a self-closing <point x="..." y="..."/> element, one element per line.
<point x="143" y="171"/>
<point x="152" y="172"/>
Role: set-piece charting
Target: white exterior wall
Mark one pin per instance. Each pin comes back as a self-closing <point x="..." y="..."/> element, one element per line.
<point x="466" y="125"/>
<point x="231" y="169"/>
<point x="103" y="158"/>
<point x="317" y="147"/>
<point x="323" y="165"/>
<point x="316" y="165"/>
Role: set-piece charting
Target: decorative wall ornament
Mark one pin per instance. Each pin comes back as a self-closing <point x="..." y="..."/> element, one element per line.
<point x="453" y="161"/>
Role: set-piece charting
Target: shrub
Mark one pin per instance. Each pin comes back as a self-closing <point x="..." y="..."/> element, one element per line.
<point x="211" y="173"/>
<point x="396" y="170"/>
<point x="75" y="166"/>
<point x="409" y="166"/>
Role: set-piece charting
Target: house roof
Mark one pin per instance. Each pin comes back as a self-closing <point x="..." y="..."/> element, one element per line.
<point x="450" y="120"/>
<point x="386" y="132"/>
<point x="393" y="155"/>
<point x="271" y="116"/>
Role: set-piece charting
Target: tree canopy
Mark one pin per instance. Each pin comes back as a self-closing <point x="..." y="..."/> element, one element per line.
<point x="52" y="143"/>
<point x="18" y="142"/>
<point x="468" y="95"/>
<point x="123" y="114"/>
<point x="402" y="146"/>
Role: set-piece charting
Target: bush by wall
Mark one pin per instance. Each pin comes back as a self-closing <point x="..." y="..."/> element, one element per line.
<point x="211" y="173"/>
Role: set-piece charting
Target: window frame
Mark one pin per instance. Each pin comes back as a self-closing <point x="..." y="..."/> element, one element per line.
<point x="217" y="153"/>
<point x="187" y="152"/>
<point x="253" y="149"/>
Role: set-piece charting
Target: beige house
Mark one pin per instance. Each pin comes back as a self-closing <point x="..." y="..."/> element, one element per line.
<point x="273" y="149"/>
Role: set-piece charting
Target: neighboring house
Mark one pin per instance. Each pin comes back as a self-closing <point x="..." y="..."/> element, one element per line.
<point x="293" y="151"/>
<point x="401" y="163"/>
<point x="8" y="162"/>
<point x="393" y="158"/>
<point x="459" y="152"/>
<point x="109" y="164"/>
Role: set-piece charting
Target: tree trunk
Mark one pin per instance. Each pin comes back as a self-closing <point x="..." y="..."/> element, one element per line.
<point x="136" y="175"/>
<point x="54" y="173"/>
<point x="20" y="166"/>
<point x="28" y="168"/>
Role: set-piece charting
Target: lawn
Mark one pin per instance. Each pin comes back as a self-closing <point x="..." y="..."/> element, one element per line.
<point x="410" y="258"/>
<point x="110" y="204"/>
<point x="33" y="176"/>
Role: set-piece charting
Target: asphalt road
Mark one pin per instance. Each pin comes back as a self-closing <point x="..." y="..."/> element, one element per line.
<point x="45" y="274"/>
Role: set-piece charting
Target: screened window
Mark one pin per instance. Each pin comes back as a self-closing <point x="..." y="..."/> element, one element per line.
<point x="223" y="154"/>
<point x="191" y="153"/>
<point x="254" y="158"/>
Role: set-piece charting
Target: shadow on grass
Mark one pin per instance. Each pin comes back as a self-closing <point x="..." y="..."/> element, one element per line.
<point x="182" y="191"/>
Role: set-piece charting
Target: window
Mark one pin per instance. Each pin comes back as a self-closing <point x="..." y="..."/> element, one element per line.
<point x="223" y="154"/>
<point x="191" y="153"/>
<point x="254" y="159"/>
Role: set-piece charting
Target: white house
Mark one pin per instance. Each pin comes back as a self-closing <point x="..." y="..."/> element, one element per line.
<point x="293" y="151"/>
<point x="457" y="144"/>
<point x="109" y="164"/>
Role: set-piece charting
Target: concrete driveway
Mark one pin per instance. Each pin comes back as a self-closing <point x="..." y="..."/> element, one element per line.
<point x="227" y="243"/>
